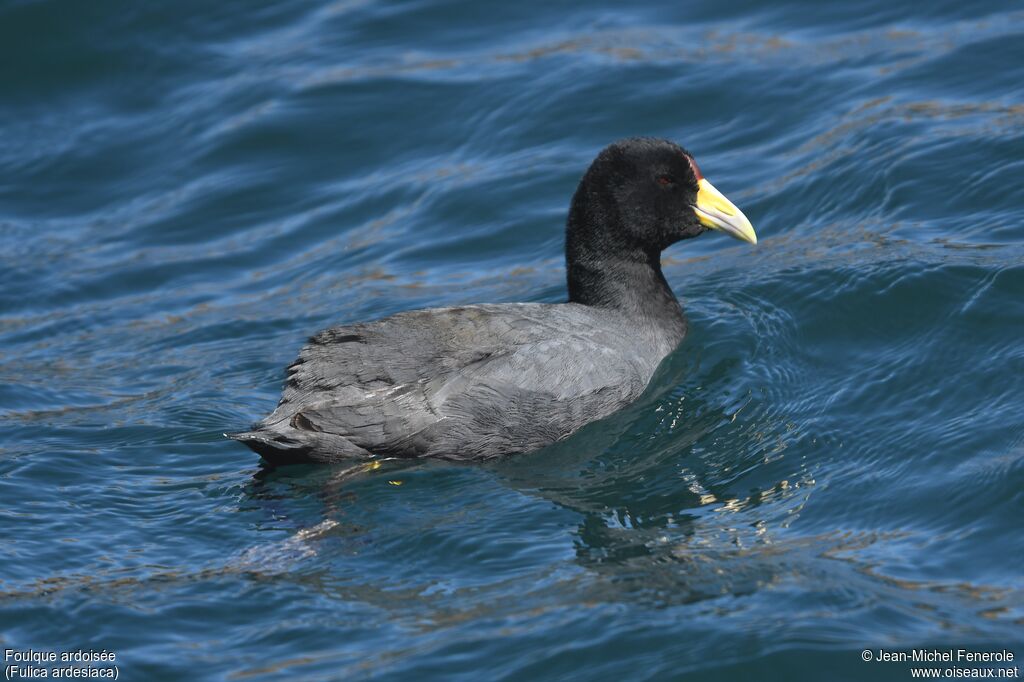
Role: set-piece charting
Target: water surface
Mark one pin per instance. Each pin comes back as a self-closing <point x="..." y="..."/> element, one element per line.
<point x="833" y="460"/>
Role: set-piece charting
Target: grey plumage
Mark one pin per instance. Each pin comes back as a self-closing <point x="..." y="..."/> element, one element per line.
<point x="482" y="381"/>
<point x="459" y="383"/>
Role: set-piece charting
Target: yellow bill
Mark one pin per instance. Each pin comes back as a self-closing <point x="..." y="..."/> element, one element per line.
<point x="718" y="213"/>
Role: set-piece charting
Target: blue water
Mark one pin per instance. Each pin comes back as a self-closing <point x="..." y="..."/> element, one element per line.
<point x="833" y="460"/>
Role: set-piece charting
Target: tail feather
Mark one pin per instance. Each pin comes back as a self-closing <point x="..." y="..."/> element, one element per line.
<point x="299" y="447"/>
<point x="274" y="447"/>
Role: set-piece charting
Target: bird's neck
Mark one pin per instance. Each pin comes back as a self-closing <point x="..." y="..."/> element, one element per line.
<point x="635" y="287"/>
<point x="605" y="271"/>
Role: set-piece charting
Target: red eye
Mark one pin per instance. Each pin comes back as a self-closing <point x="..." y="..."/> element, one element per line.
<point x="666" y="180"/>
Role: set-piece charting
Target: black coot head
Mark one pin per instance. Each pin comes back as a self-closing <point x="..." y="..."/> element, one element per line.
<point x="650" y="193"/>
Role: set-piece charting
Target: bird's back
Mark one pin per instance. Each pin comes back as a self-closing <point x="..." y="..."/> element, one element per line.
<point x="469" y="382"/>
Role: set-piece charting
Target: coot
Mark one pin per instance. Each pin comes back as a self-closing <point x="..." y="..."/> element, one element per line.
<point x="482" y="381"/>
